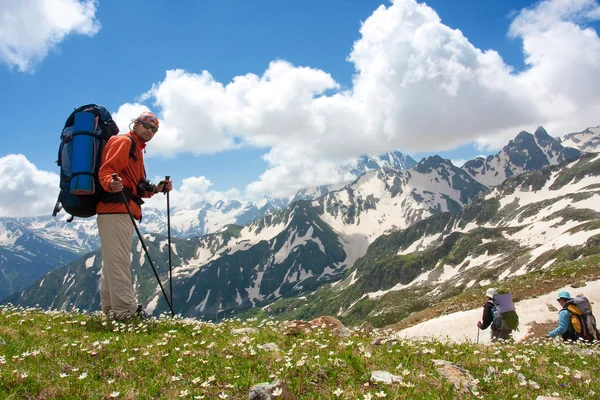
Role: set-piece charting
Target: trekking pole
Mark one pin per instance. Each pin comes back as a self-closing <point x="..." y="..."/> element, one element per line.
<point x="168" y="178"/>
<point x="114" y="176"/>
<point x="477" y="335"/>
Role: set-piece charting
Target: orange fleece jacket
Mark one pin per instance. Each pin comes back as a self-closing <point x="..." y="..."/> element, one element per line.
<point x="115" y="159"/>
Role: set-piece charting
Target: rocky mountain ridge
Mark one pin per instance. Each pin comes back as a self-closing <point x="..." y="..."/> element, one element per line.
<point x="294" y="251"/>
<point x="527" y="152"/>
<point x="524" y="226"/>
<point x="288" y="253"/>
<point x="587" y="141"/>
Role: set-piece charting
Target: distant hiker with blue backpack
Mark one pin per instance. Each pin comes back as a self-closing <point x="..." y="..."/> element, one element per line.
<point x="114" y="225"/>
<point x="499" y="314"/>
<point x="575" y="319"/>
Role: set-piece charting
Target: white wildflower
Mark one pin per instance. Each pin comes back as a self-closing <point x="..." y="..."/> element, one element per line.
<point x="534" y="384"/>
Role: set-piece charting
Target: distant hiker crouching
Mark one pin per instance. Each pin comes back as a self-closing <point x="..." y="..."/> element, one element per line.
<point x="575" y="319"/>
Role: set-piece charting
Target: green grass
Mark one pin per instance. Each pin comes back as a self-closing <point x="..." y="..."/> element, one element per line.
<point x="59" y="355"/>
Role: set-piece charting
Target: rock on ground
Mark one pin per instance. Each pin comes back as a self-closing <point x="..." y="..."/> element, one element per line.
<point x="462" y="379"/>
<point x="270" y="391"/>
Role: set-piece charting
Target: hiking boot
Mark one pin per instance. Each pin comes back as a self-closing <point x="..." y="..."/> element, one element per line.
<point x="109" y="314"/>
<point x="141" y="313"/>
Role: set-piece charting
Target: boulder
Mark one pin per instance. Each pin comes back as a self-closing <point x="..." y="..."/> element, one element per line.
<point x="458" y="376"/>
<point x="272" y="347"/>
<point x="270" y="391"/>
<point x="297" y="327"/>
<point x="333" y="324"/>
<point x="385" y="377"/>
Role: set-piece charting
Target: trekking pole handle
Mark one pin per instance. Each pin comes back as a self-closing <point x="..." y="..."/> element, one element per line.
<point x="167" y="178"/>
<point x="115" y="177"/>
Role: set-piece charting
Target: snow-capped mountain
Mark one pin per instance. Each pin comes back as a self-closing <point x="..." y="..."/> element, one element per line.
<point x="587" y="141"/>
<point x="356" y="168"/>
<point x="316" y="191"/>
<point x="290" y="252"/>
<point x="81" y="235"/>
<point x="26" y="256"/>
<point x="526" y="224"/>
<point x="390" y="230"/>
<point x="30" y="247"/>
<point x="393" y="159"/>
<point x="526" y="152"/>
<point x="210" y="218"/>
<point x="391" y="199"/>
<point x="78" y="236"/>
<point x="535" y="214"/>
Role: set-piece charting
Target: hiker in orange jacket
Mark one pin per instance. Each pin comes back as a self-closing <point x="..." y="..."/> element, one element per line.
<point x="123" y="156"/>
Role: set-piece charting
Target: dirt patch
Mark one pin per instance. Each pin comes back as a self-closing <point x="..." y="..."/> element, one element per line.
<point x="540" y="330"/>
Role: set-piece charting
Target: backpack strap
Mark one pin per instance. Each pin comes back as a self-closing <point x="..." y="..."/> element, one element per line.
<point x="57" y="207"/>
<point x="132" y="149"/>
<point x="132" y="155"/>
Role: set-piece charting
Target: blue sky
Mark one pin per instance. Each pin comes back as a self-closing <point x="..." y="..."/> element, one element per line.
<point x="115" y="52"/>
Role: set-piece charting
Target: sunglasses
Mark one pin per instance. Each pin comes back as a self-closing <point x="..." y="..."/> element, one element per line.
<point x="153" y="128"/>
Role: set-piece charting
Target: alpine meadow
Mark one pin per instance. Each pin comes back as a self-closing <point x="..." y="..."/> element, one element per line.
<point x="339" y="200"/>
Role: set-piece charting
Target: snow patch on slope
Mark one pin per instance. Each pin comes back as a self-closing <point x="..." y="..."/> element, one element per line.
<point x="460" y="327"/>
<point x="90" y="262"/>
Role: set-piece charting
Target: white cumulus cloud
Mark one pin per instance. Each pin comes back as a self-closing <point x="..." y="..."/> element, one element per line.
<point x="26" y="191"/>
<point x="193" y="193"/>
<point x="30" y="29"/>
<point x="419" y="86"/>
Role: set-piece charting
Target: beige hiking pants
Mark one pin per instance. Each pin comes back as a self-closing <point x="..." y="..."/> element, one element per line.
<point x="116" y="293"/>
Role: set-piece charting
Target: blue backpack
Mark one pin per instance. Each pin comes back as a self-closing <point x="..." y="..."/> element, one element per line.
<point x="84" y="135"/>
